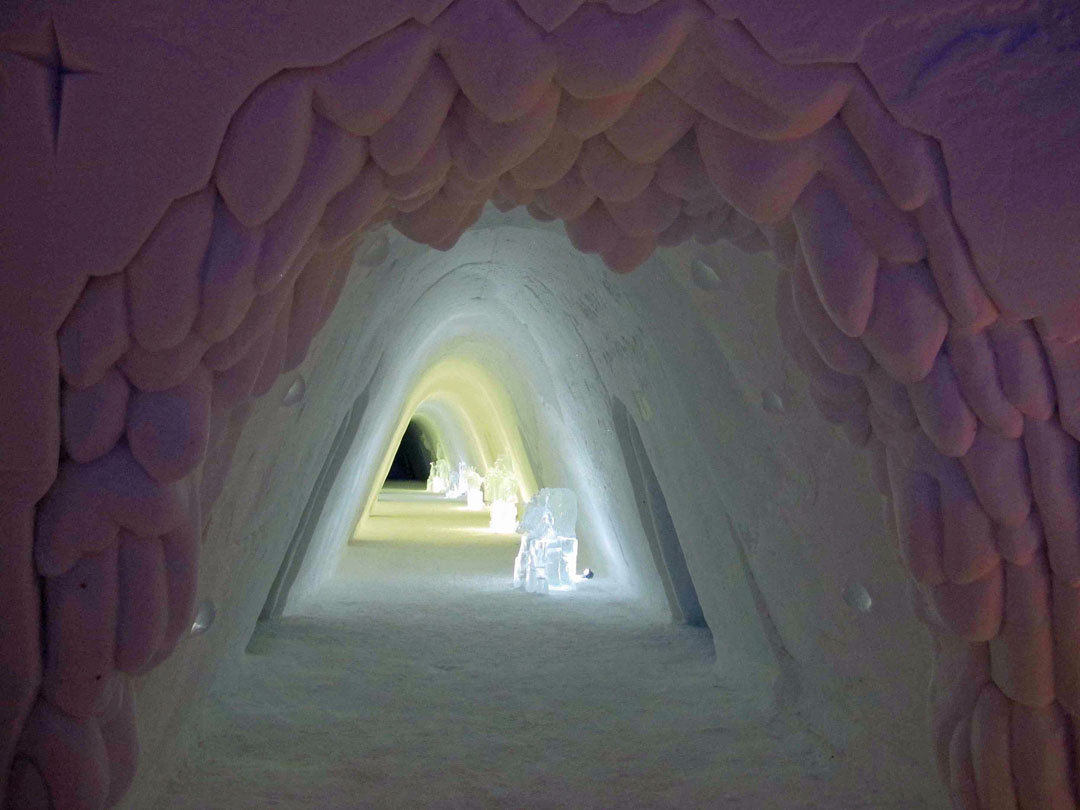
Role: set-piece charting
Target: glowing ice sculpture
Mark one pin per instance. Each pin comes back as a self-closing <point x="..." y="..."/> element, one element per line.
<point x="501" y="489"/>
<point x="474" y="496"/>
<point x="547" y="558"/>
<point x="452" y="483"/>
<point x="459" y="481"/>
<point x="439" y="476"/>
<point x="466" y="481"/>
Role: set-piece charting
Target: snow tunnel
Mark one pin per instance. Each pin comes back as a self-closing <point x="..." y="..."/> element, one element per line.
<point x="481" y="357"/>
<point x="785" y="295"/>
<point x="515" y="343"/>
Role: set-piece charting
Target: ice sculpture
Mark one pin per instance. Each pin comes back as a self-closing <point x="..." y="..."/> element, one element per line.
<point x="474" y="495"/>
<point x="459" y="481"/>
<point x="466" y="481"/>
<point x="547" y="558"/>
<point x="439" y="476"/>
<point x="501" y="490"/>
<point x="452" y="483"/>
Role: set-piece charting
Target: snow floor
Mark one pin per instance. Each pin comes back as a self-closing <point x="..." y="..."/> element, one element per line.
<point x="420" y="679"/>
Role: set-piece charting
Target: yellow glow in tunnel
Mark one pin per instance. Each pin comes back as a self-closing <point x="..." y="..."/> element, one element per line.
<point x="459" y="404"/>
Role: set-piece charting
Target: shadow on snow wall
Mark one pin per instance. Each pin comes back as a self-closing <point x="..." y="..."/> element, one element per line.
<point x="298" y="547"/>
<point x="656" y="521"/>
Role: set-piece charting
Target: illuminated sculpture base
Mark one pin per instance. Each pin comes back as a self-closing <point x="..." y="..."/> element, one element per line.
<point x="501" y="489"/>
<point x="546" y="564"/>
<point x="503" y="517"/>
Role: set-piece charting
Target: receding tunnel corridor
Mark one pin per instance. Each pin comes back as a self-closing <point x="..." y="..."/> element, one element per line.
<point x="368" y="645"/>
<point x="414" y="675"/>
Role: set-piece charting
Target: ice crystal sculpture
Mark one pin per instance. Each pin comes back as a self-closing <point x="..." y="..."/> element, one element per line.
<point x="474" y="495"/>
<point x="547" y="557"/>
<point x="439" y="476"/>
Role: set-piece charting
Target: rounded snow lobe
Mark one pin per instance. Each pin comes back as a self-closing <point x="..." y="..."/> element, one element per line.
<point x="858" y="598"/>
<point x="204" y="618"/>
<point x="295" y="393"/>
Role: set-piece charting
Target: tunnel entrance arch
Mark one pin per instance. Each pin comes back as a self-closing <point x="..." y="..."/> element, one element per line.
<point x="828" y="173"/>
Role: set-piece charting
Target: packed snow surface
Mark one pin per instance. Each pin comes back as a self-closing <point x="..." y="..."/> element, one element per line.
<point x="420" y="679"/>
